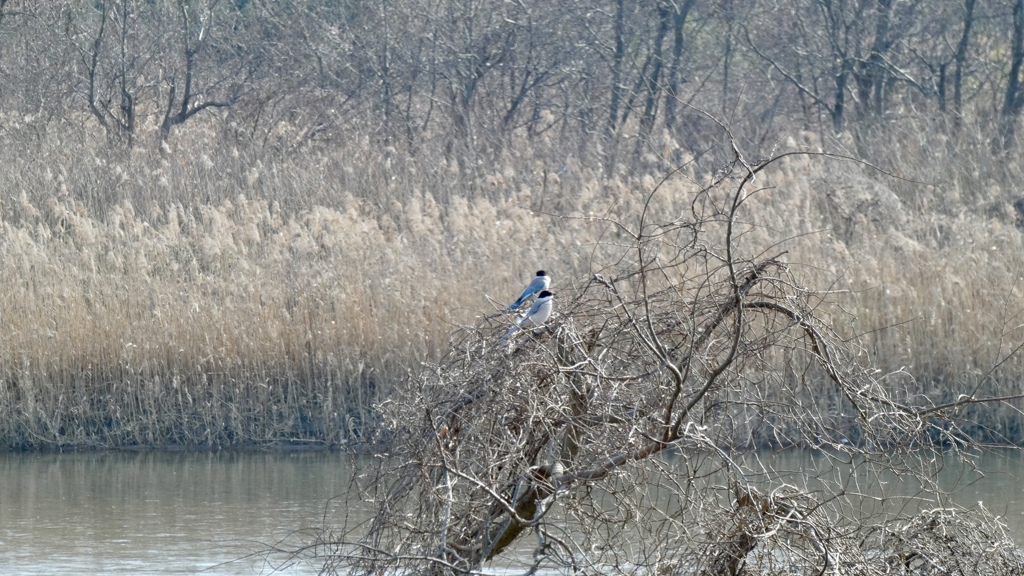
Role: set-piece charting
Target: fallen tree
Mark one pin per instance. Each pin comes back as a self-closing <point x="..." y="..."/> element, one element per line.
<point x="618" y="438"/>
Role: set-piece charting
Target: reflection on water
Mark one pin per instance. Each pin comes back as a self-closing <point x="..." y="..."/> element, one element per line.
<point x="998" y="488"/>
<point x="178" y="513"/>
<point x="992" y="480"/>
<point x="160" y="513"/>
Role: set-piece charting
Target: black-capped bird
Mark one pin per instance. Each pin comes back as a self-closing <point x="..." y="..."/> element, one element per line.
<point x="537" y="315"/>
<point x="539" y="283"/>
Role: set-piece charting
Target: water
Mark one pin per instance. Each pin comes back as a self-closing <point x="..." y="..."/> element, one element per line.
<point x="213" y="513"/>
<point x="161" y="513"/>
<point x="999" y="489"/>
<point x="993" y="482"/>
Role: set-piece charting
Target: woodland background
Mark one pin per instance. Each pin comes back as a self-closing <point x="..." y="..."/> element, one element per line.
<point x="239" y="222"/>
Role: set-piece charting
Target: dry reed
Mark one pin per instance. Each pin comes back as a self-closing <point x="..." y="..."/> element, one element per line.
<point x="215" y="298"/>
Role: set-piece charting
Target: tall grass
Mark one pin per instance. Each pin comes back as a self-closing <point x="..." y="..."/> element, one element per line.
<point x="206" y="296"/>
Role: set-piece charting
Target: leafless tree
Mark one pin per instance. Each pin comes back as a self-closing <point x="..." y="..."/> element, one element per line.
<point x="617" y="439"/>
<point x="191" y="87"/>
<point x="156" y="62"/>
<point x="615" y="80"/>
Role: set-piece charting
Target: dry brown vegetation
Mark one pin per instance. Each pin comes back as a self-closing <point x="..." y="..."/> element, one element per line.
<point x="617" y="438"/>
<point x="203" y="296"/>
<point x="241" y="222"/>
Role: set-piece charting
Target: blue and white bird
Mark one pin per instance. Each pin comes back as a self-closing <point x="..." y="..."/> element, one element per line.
<point x="536" y="316"/>
<point x="539" y="283"/>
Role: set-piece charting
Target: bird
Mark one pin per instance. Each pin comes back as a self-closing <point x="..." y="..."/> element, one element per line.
<point x="537" y="314"/>
<point x="540" y="282"/>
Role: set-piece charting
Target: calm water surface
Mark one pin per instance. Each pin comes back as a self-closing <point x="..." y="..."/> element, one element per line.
<point x="161" y="513"/>
<point x="211" y="514"/>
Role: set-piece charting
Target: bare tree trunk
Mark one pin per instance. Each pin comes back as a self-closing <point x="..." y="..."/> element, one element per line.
<point x="92" y="69"/>
<point x="116" y="114"/>
<point x="961" y="57"/>
<point x="680" y="12"/>
<point x="385" y="72"/>
<point x="652" y="81"/>
<point x="615" y="100"/>
<point x="872" y="73"/>
<point x="179" y="108"/>
<point x="1013" y="100"/>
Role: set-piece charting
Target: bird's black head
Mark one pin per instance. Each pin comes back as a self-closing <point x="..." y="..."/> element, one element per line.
<point x="541" y="273"/>
<point x="544" y="294"/>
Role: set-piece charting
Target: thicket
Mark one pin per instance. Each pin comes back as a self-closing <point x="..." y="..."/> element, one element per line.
<point x="242" y="222"/>
<point x="616" y="439"/>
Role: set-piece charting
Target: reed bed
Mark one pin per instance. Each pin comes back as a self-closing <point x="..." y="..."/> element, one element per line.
<point x="217" y="297"/>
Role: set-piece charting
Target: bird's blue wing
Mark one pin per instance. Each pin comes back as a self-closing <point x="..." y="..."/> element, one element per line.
<point x="535" y="286"/>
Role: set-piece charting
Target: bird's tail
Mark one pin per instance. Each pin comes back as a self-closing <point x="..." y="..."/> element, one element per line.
<point x="509" y="334"/>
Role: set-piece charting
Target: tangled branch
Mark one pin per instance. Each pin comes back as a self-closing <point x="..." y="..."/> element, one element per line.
<point x="616" y="434"/>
